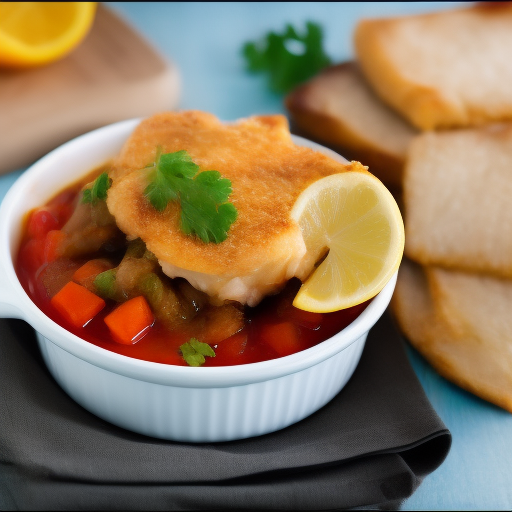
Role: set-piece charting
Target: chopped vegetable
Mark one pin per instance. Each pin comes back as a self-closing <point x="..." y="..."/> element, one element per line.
<point x="98" y="191"/>
<point x="56" y="274"/>
<point x="77" y="304"/>
<point x="233" y="347"/>
<point x="130" y="321"/>
<point x="105" y="284"/>
<point x="152" y="288"/>
<point x="40" y="222"/>
<point x="53" y="243"/>
<point x="164" y="300"/>
<point x="136" y="248"/>
<point x="282" y="337"/>
<point x="218" y="323"/>
<point x="194" y="352"/>
<point x="289" y="58"/>
<point x="88" y="272"/>
<point x="203" y="196"/>
<point x="89" y="229"/>
<point x="131" y="271"/>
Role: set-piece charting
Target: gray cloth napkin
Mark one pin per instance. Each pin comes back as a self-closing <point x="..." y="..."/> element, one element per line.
<point x="371" y="446"/>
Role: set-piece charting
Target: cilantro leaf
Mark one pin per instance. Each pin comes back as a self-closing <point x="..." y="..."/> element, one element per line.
<point x="98" y="191"/>
<point x="194" y="352"/>
<point x="203" y="196"/>
<point x="289" y="58"/>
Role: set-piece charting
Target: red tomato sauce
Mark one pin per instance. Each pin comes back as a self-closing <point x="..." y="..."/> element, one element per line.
<point x="272" y="329"/>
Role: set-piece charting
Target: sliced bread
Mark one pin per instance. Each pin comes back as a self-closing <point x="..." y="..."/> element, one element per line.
<point x="457" y="195"/>
<point x="440" y="313"/>
<point x="445" y="69"/>
<point x="340" y="110"/>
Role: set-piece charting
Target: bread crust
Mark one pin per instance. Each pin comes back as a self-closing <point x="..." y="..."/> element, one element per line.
<point x="329" y="108"/>
<point x="480" y="363"/>
<point x="441" y="70"/>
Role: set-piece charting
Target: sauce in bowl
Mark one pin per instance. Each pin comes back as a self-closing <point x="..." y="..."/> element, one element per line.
<point x="272" y="329"/>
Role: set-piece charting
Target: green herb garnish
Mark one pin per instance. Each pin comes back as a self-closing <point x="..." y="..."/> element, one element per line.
<point x="194" y="352"/>
<point x="98" y="191"/>
<point x="203" y="196"/>
<point x="289" y="58"/>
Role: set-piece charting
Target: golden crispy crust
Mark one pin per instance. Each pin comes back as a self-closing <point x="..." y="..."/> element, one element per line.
<point x="267" y="172"/>
<point x="441" y="70"/>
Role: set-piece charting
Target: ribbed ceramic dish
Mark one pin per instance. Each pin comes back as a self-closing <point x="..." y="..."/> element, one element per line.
<point x="165" y="401"/>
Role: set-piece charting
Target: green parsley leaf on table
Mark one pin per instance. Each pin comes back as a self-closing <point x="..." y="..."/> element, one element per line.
<point x="98" y="191"/>
<point x="203" y="196"/>
<point x="194" y="352"/>
<point x="289" y="58"/>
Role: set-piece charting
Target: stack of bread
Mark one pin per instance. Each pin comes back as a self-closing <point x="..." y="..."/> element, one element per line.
<point x="428" y="106"/>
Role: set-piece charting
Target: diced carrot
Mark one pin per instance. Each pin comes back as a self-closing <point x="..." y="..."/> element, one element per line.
<point x="234" y="346"/>
<point x="52" y="243"/>
<point x="130" y="321"/>
<point x="77" y="304"/>
<point x="88" y="271"/>
<point x="282" y="337"/>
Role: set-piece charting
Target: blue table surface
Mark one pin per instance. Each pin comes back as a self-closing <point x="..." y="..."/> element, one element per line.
<point x="204" y="41"/>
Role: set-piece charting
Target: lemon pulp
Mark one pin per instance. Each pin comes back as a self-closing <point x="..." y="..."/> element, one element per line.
<point x="353" y="218"/>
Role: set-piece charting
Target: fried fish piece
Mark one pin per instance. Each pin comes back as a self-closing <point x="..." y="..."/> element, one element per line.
<point x="461" y="324"/>
<point x="264" y="247"/>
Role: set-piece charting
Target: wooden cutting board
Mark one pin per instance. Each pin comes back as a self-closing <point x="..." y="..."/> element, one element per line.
<point x="113" y="75"/>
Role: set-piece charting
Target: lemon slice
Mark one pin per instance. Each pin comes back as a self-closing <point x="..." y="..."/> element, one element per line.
<point x="36" y="33"/>
<point x="355" y="218"/>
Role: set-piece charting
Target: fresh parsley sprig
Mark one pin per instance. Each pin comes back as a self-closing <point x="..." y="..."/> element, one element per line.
<point x="289" y="58"/>
<point x="98" y="191"/>
<point x="203" y="196"/>
<point x="194" y="352"/>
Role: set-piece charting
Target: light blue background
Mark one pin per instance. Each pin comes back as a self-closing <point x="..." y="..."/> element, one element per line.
<point x="204" y="41"/>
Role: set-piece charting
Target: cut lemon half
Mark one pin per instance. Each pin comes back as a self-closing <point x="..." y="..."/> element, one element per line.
<point x="353" y="218"/>
<point x="36" y="33"/>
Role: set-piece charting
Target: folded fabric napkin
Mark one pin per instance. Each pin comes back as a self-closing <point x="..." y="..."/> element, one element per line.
<point x="371" y="446"/>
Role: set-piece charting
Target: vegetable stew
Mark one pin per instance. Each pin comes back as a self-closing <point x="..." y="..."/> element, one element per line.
<point x="83" y="273"/>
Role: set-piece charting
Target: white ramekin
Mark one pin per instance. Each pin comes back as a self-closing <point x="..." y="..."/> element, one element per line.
<point x="165" y="401"/>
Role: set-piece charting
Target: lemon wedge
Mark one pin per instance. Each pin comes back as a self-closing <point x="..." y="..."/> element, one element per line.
<point x="36" y="33"/>
<point x="353" y="218"/>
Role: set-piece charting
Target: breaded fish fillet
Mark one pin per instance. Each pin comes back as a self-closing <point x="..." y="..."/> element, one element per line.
<point x="264" y="247"/>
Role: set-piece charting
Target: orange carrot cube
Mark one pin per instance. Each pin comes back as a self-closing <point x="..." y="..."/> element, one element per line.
<point x="53" y="241"/>
<point x="89" y="270"/>
<point x="130" y="321"/>
<point x="282" y="337"/>
<point x="77" y="304"/>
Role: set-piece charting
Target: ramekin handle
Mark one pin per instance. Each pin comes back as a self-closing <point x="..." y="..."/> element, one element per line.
<point x="10" y="305"/>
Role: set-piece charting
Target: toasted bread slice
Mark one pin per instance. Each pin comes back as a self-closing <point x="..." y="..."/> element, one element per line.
<point x="457" y="195"/>
<point x="470" y="350"/>
<point x="475" y="305"/>
<point x="264" y="247"/>
<point x="339" y="109"/>
<point x="444" y="69"/>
